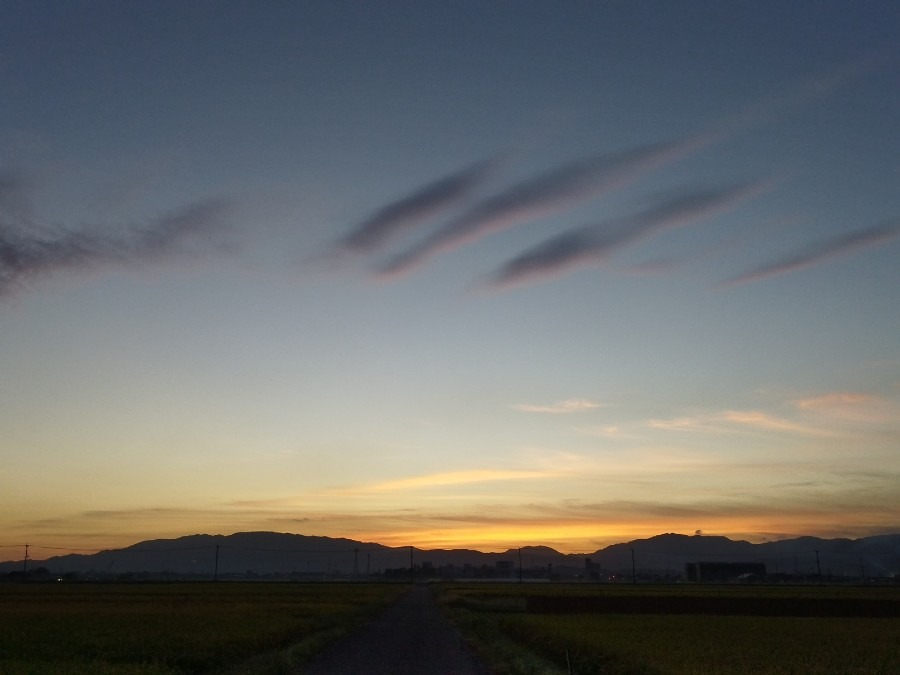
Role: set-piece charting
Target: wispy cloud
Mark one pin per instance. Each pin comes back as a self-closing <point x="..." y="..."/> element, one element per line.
<point x="548" y="193"/>
<point x="612" y="431"/>
<point x="733" y="421"/>
<point x="767" y="422"/>
<point x="415" y="208"/>
<point x="803" y="92"/>
<point x="821" y="251"/>
<point x="854" y="407"/>
<point x="451" y="478"/>
<point x="833" y="400"/>
<point x="594" y="243"/>
<point x="561" y="407"/>
<point x="25" y="256"/>
<point x="699" y="423"/>
<point x="567" y="185"/>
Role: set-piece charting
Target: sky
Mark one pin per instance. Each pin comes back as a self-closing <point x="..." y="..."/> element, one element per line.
<point x="465" y="274"/>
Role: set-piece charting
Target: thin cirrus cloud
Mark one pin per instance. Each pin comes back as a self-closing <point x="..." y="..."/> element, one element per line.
<point x="561" y="188"/>
<point x="732" y="421"/>
<point x="542" y="195"/>
<point x="25" y="256"/>
<point x="833" y="400"/>
<point x="593" y="243"/>
<point x="415" y="208"/>
<point x="854" y="407"/>
<point x="821" y="251"/>
<point x="766" y="422"/>
<point x="451" y="478"/>
<point x="560" y="408"/>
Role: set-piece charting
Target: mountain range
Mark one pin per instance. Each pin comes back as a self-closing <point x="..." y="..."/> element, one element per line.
<point x="273" y="554"/>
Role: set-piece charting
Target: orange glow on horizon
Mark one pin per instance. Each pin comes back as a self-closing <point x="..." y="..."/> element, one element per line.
<point x="585" y="537"/>
<point x="564" y="535"/>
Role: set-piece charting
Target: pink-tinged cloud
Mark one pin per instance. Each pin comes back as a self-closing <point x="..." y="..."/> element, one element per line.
<point x="853" y="407"/>
<point x="821" y="251"/>
<point x="766" y="422"/>
<point x="592" y="244"/>
<point x="732" y="421"/>
<point x="549" y="193"/>
<point x="833" y="400"/>
<point x="561" y="407"/>
<point x="451" y="478"/>
<point x="415" y="208"/>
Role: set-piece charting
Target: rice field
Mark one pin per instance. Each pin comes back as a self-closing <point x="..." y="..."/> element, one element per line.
<point x="232" y="628"/>
<point x="680" y="629"/>
<point x="68" y="629"/>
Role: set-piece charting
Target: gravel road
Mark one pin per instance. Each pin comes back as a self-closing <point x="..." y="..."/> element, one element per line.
<point x="410" y="637"/>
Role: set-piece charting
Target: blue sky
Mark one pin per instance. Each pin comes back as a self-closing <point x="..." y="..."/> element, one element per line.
<point x="446" y="274"/>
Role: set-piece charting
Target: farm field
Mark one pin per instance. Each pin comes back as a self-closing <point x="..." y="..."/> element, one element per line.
<point x="529" y="629"/>
<point x="57" y="629"/>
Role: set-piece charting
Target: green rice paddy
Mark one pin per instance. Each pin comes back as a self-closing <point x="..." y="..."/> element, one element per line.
<point x="56" y="629"/>
<point x="591" y="629"/>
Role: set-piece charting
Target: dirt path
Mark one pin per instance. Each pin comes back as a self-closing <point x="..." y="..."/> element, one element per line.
<point x="411" y="636"/>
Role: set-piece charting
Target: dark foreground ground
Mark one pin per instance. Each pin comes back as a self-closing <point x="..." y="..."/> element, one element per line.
<point x="410" y="637"/>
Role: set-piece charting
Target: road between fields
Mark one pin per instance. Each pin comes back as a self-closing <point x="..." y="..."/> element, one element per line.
<point x="410" y="637"/>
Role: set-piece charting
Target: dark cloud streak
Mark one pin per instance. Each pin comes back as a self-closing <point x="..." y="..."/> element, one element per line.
<point x="416" y="208"/>
<point x="543" y="195"/>
<point x="27" y="256"/>
<point x="594" y="243"/>
<point x="821" y="251"/>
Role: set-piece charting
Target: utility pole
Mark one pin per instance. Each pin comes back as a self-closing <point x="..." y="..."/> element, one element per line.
<point x="633" y="571"/>
<point x="520" y="564"/>
<point x="216" y="572"/>
<point x="818" y="567"/>
<point x="25" y="561"/>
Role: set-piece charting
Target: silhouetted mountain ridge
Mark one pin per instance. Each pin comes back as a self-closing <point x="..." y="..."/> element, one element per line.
<point x="296" y="555"/>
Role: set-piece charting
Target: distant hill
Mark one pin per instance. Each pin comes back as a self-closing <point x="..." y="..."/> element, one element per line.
<point x="249" y="554"/>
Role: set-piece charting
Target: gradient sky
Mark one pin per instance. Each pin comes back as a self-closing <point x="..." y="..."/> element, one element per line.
<point x="448" y="274"/>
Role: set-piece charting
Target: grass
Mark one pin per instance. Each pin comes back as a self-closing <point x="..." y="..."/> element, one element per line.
<point x="67" y="629"/>
<point x="516" y="641"/>
<point x="236" y="628"/>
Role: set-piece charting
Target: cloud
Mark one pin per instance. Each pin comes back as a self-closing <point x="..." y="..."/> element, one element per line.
<point x="594" y="243"/>
<point x="802" y="93"/>
<point x="686" y="424"/>
<point x="732" y="421"/>
<point x="561" y="407"/>
<point x="821" y="251"/>
<point x="548" y="193"/>
<point x="451" y="478"/>
<point x="854" y="407"/>
<point x="561" y="188"/>
<point x="25" y="256"/>
<point x="824" y="416"/>
<point x="766" y="422"/>
<point x="415" y="208"/>
<point x="832" y="400"/>
<point x="612" y="431"/>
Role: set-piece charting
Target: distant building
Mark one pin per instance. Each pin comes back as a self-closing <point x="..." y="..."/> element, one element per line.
<point x="724" y="571"/>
